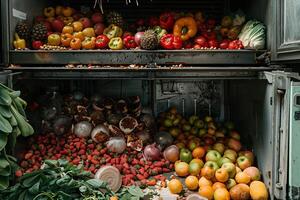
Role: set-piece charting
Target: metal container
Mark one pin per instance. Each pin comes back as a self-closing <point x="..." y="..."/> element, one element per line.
<point x="263" y="99"/>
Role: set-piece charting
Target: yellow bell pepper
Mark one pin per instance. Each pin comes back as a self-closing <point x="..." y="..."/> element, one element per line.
<point x="19" y="43"/>
<point x="185" y="28"/>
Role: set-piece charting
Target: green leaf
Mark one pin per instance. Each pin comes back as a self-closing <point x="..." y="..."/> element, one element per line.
<point x="96" y="183"/>
<point x="51" y="163"/>
<point x="31" y="181"/>
<point x="5" y="99"/>
<point x="3" y="140"/>
<point x="12" y="120"/>
<point x="4" y="182"/>
<point x="3" y="163"/>
<point x="136" y="191"/>
<point x="35" y="188"/>
<point x="5" y="111"/>
<point x="5" y="125"/>
<point x="22" y="195"/>
<point x="14" y="94"/>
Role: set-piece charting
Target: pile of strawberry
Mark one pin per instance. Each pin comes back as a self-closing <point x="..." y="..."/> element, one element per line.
<point x="93" y="156"/>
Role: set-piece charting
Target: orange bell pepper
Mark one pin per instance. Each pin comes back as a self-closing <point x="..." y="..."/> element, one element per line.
<point x="185" y="28"/>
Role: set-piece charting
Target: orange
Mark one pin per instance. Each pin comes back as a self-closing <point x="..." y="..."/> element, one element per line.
<point x="182" y="169"/>
<point x="222" y="175"/>
<point x="217" y="185"/>
<point x="221" y="194"/>
<point x="206" y="191"/>
<point x="191" y="182"/>
<point x="113" y="198"/>
<point x="204" y="181"/>
<point x="198" y="152"/>
<point x="175" y="186"/>
<point x="194" y="168"/>
<point x="242" y="177"/>
<point x="207" y="172"/>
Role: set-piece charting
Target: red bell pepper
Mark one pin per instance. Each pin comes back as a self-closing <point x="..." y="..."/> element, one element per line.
<point x="169" y="41"/>
<point x="129" y="42"/>
<point x="153" y="21"/>
<point x="102" y="42"/>
<point x="166" y="20"/>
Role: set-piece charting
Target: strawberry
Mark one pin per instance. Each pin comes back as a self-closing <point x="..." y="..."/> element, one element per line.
<point x="140" y="177"/>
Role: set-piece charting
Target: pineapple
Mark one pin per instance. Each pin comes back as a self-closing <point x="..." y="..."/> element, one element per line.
<point x="149" y="40"/>
<point x="22" y="29"/>
<point x="39" y="32"/>
<point x="115" y="18"/>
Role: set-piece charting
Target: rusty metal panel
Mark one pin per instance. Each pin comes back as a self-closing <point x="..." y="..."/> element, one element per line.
<point x="193" y="57"/>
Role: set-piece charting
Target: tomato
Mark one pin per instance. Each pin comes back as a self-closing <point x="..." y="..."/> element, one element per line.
<point x="66" y="39"/>
<point x="75" y="43"/>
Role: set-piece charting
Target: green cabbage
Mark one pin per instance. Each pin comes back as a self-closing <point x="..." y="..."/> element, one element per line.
<point x="253" y="35"/>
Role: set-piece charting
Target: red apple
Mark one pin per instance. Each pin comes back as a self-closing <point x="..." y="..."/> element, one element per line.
<point x="248" y="154"/>
<point x="97" y="18"/>
<point x="86" y="22"/>
<point x="57" y="25"/>
<point x="48" y="26"/>
<point x="77" y="16"/>
<point x="234" y="144"/>
<point x="99" y="28"/>
<point x="208" y="140"/>
<point x="243" y="162"/>
<point x="253" y="172"/>
<point x="235" y="135"/>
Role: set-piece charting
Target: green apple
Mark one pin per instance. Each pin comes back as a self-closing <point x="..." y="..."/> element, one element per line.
<point x="223" y="160"/>
<point x="231" y="154"/>
<point x="192" y="119"/>
<point x="192" y="145"/>
<point x="202" y="132"/>
<point x="231" y="169"/>
<point x="243" y="162"/>
<point x="199" y="123"/>
<point x="185" y="155"/>
<point x="168" y="122"/>
<point x="230" y="183"/>
<point x="54" y="39"/>
<point x="213" y="155"/>
<point x="194" y="131"/>
<point x="174" y="132"/>
<point x="212" y="165"/>
<point x="186" y="127"/>
<point x="219" y="147"/>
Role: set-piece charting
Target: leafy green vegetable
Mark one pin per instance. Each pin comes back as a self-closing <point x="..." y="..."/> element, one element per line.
<point x="61" y="180"/>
